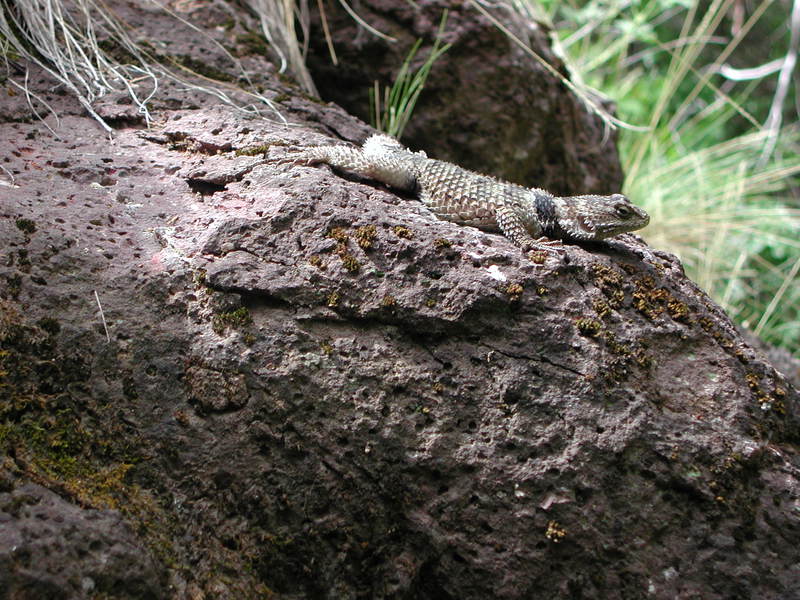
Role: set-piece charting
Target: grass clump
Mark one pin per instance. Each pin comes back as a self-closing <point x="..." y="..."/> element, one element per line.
<point x="90" y="51"/>
<point x="399" y="99"/>
<point x="714" y="157"/>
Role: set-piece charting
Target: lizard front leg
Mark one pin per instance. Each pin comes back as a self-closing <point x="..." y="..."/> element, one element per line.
<point x="513" y="227"/>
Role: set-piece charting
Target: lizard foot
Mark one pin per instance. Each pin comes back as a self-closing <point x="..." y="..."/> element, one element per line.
<point x="540" y="249"/>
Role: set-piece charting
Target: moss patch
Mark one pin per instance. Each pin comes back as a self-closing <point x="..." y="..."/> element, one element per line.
<point x="26" y="226"/>
<point x="234" y="319"/>
<point x="67" y="441"/>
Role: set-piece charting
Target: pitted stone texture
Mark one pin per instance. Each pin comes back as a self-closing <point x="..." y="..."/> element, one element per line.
<point x="50" y="548"/>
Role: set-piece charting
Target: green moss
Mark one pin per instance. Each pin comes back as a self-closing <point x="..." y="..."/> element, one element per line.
<point x="70" y="444"/>
<point x="234" y="319"/>
<point x="316" y="261"/>
<point x="624" y="356"/>
<point x="258" y="150"/>
<point x="610" y="282"/>
<point x="538" y="256"/>
<point x="118" y="53"/>
<point x="252" y="43"/>
<point x="388" y="301"/>
<point x="601" y="307"/>
<point x="203" y="68"/>
<point x="555" y="532"/>
<point x="678" y="310"/>
<point x="339" y="234"/>
<point x="26" y="226"/>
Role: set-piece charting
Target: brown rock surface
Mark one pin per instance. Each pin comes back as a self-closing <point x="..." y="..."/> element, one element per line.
<point x="313" y="388"/>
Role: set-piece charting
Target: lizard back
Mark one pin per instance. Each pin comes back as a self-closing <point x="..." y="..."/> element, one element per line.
<point x="464" y="197"/>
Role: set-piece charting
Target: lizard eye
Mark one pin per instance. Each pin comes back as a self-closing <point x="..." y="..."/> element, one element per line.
<point x="623" y="211"/>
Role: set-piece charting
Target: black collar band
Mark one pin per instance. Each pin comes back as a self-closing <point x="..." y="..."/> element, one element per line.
<point x="546" y="211"/>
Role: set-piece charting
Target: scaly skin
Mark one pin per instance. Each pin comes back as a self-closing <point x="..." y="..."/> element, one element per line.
<point x="530" y="217"/>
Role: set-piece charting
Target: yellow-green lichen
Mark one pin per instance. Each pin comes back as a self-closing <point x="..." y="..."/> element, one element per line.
<point x="402" y="232"/>
<point x="365" y="236"/>
<point x="442" y="243"/>
<point x="588" y="327"/>
<point x="514" y="291"/>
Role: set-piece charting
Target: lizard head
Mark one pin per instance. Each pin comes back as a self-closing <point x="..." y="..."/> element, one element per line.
<point x="594" y="217"/>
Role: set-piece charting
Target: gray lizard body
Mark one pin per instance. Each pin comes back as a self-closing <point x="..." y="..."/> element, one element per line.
<point x="530" y="217"/>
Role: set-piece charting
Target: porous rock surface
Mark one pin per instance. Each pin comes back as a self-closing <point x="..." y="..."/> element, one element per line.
<point x="291" y="384"/>
<point x="55" y="549"/>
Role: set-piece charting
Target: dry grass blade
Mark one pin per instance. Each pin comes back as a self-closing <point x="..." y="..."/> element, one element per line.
<point x="62" y="37"/>
<point x="277" y="19"/>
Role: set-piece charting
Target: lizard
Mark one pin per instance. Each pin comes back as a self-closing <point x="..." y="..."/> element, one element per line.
<point x="532" y="218"/>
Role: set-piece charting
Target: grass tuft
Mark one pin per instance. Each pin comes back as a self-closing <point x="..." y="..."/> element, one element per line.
<point x="88" y="50"/>
<point x="712" y="164"/>
<point x="399" y="99"/>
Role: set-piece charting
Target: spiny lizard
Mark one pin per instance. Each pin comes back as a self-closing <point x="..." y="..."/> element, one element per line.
<point x="530" y="217"/>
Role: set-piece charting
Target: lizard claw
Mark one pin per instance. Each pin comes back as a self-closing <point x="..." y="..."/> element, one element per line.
<point x="541" y="248"/>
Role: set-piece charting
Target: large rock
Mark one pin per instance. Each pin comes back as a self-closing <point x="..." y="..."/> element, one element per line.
<point x="292" y="384"/>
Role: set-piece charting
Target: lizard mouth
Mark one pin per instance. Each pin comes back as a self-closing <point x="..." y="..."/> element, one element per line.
<point x="605" y="231"/>
<point x="585" y="230"/>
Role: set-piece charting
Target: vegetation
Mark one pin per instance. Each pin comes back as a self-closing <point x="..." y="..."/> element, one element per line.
<point x="400" y="98"/>
<point x="64" y="42"/>
<point x="713" y="155"/>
